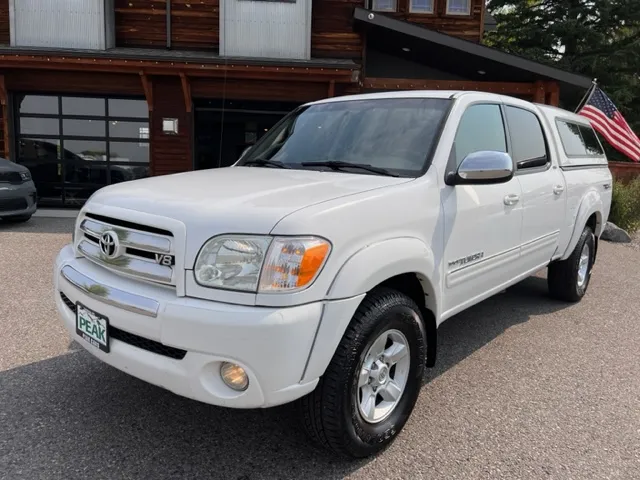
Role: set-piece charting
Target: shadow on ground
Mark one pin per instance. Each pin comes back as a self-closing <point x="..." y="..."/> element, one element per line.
<point x="474" y="328"/>
<point x="39" y="225"/>
<point x="74" y="417"/>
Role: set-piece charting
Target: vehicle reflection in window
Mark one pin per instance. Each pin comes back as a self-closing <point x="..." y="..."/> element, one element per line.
<point x="75" y="172"/>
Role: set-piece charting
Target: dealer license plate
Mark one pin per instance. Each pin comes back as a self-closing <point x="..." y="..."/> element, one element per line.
<point x="92" y="327"/>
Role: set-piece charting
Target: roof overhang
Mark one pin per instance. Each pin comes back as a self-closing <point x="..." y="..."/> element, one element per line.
<point x="462" y="57"/>
<point x="168" y="62"/>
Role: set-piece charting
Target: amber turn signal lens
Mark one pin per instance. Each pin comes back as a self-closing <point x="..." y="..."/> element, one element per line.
<point x="311" y="263"/>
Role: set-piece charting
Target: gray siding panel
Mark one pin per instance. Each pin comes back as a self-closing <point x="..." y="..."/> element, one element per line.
<point x="268" y="29"/>
<point x="62" y="23"/>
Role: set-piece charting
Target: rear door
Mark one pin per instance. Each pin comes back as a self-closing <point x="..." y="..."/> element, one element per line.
<point x="543" y="187"/>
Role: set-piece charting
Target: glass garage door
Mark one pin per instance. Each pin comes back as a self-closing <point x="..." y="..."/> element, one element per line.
<point x="74" y="146"/>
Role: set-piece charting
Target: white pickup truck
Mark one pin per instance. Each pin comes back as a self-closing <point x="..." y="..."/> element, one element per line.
<point x="319" y="267"/>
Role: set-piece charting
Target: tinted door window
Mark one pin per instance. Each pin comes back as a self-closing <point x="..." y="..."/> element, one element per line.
<point x="528" y="145"/>
<point x="481" y="128"/>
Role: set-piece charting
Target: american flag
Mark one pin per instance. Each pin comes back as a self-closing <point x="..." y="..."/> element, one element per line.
<point x="606" y="119"/>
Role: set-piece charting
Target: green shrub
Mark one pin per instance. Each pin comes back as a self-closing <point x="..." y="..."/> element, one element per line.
<point x="625" y="206"/>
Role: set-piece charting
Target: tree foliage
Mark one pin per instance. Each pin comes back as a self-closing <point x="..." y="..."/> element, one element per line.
<point x="596" y="38"/>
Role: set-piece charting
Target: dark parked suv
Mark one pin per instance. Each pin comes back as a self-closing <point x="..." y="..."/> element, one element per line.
<point x="18" y="199"/>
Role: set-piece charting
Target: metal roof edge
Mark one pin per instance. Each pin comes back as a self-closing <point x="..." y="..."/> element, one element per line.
<point x="380" y="20"/>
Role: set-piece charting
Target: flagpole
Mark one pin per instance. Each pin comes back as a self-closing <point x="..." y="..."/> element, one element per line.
<point x="587" y="96"/>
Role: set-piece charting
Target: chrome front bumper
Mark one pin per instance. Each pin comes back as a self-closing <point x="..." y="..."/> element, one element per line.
<point x="110" y="295"/>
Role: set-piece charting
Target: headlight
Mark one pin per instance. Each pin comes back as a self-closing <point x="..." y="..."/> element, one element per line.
<point x="260" y="263"/>
<point x="25" y="176"/>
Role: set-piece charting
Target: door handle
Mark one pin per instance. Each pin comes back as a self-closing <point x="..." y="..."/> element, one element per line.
<point x="511" y="199"/>
<point x="558" y="189"/>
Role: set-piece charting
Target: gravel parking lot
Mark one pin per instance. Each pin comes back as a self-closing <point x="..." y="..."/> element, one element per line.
<point x="525" y="387"/>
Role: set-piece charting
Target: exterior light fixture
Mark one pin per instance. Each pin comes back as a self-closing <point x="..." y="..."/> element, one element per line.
<point x="170" y="126"/>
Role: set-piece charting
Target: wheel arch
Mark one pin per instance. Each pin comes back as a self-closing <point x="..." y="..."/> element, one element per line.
<point x="589" y="214"/>
<point x="407" y="266"/>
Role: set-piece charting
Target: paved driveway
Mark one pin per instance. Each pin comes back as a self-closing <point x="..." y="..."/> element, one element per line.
<point x="525" y="388"/>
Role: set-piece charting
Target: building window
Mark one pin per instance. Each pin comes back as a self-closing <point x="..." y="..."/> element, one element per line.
<point x="77" y="145"/>
<point x="421" y="6"/>
<point x="458" y="7"/>
<point x="384" y="5"/>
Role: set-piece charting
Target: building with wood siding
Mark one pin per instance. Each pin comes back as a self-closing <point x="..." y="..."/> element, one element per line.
<point x="113" y="90"/>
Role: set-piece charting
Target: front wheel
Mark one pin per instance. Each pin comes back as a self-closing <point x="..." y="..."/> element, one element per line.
<point x="372" y="383"/>
<point x="568" y="280"/>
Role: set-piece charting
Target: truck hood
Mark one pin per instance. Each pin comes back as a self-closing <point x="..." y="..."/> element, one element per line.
<point x="234" y="199"/>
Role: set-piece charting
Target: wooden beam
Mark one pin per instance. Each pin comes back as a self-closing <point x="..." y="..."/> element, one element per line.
<point x="414" y="84"/>
<point x="553" y="94"/>
<point x="186" y="91"/>
<point x="332" y="89"/>
<point x="3" y="91"/>
<point x="148" y="90"/>
<point x="539" y="92"/>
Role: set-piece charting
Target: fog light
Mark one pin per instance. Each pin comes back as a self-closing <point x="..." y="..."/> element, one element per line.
<point x="234" y="376"/>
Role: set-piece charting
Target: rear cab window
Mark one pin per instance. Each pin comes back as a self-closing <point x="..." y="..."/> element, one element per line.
<point x="529" y="148"/>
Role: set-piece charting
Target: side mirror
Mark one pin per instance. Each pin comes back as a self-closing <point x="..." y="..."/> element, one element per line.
<point x="483" y="168"/>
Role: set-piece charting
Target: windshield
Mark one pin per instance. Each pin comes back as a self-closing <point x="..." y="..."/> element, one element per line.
<point x="394" y="134"/>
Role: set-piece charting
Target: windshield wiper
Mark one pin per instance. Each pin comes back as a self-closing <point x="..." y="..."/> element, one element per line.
<point x="265" y="161"/>
<point x="338" y="165"/>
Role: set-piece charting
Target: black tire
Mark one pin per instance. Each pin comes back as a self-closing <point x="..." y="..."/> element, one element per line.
<point x="562" y="276"/>
<point x="330" y="413"/>
<point x="17" y="218"/>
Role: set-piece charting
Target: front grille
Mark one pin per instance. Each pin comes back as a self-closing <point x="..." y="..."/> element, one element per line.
<point x="67" y="301"/>
<point x="11" y="204"/>
<point x="135" y="340"/>
<point x="146" y="344"/>
<point x="142" y="252"/>
<point x="130" y="225"/>
<point x="10" y="177"/>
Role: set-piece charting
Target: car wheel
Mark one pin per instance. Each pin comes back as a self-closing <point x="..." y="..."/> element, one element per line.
<point x="568" y="280"/>
<point x="17" y="218"/>
<point x="372" y="383"/>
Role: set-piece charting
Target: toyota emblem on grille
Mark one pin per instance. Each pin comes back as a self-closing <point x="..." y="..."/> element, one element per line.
<point x="109" y="244"/>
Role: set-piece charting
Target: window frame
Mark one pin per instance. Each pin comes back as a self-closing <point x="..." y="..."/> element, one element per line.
<point x="394" y="8"/>
<point x="528" y="170"/>
<point x="578" y="124"/>
<point x="468" y="13"/>
<point x="60" y="138"/>
<point x="452" y="164"/>
<point x="422" y="12"/>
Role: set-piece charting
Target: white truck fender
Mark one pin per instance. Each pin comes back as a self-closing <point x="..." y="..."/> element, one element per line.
<point x="381" y="261"/>
<point x="591" y="204"/>
<point x="363" y="271"/>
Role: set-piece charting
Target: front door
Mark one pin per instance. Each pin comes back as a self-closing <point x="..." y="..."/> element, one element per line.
<point x="482" y="222"/>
